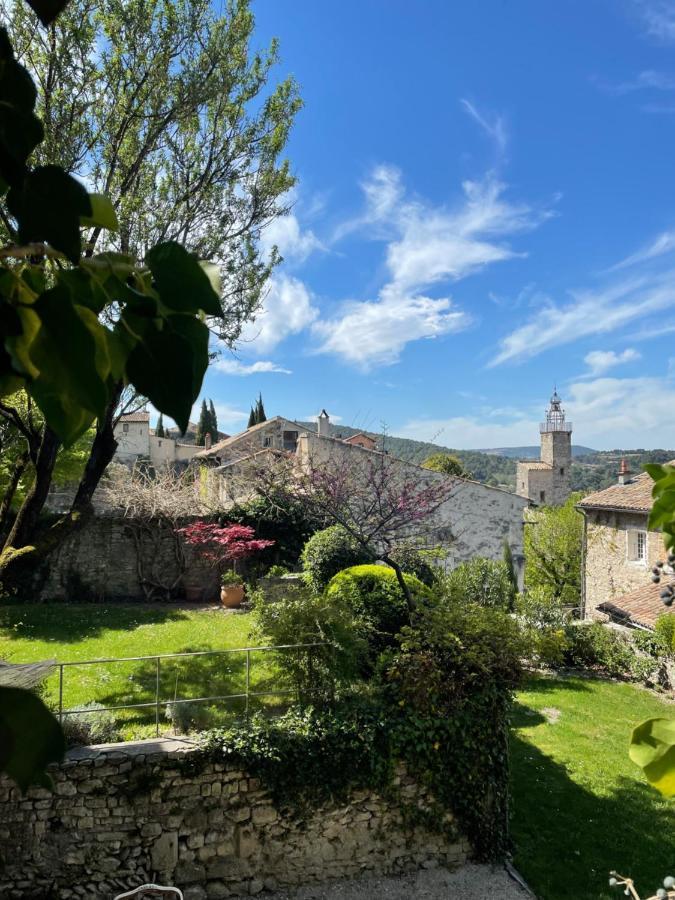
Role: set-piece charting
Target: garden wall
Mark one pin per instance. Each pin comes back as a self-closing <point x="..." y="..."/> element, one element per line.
<point x="99" y="562"/>
<point x="155" y="810"/>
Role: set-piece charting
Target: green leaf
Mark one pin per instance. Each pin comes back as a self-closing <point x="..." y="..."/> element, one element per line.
<point x="168" y="366"/>
<point x="70" y="352"/>
<point x="20" y="129"/>
<point x="48" y="205"/>
<point x="656" y="471"/>
<point x="47" y="10"/>
<point x="103" y="214"/>
<point x="652" y="747"/>
<point x="30" y="737"/>
<point x="180" y="280"/>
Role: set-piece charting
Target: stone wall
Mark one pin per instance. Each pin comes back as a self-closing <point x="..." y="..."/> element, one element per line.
<point x="130" y="813"/>
<point x="608" y="573"/>
<point x="99" y="562"/>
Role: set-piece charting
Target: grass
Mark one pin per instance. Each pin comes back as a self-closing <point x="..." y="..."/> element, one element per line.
<point x="580" y="806"/>
<point x="79" y="632"/>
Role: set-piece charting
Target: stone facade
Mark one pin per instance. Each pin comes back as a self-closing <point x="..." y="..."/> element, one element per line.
<point x="127" y="814"/>
<point x="136" y="440"/>
<point x="610" y="572"/>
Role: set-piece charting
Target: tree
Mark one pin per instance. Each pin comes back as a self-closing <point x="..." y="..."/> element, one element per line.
<point x="260" y="416"/>
<point x="251" y="419"/>
<point x="553" y="547"/>
<point x="379" y="500"/>
<point x="213" y="423"/>
<point x="159" y="430"/>
<point x="446" y="463"/>
<point x="203" y="427"/>
<point x="163" y="107"/>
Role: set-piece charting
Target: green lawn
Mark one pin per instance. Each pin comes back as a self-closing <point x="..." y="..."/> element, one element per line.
<point x="580" y="807"/>
<point x="78" y="632"/>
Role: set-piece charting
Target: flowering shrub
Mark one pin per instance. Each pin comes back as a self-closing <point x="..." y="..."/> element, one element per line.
<point x="223" y="543"/>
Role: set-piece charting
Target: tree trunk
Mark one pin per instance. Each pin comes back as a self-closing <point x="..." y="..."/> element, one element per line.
<point x="23" y="530"/>
<point x="401" y="583"/>
<point x="100" y="456"/>
<point x="6" y="505"/>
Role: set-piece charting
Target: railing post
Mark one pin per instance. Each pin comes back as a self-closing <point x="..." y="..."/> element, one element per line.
<point x="157" y="697"/>
<point x="60" y="693"/>
<point x="248" y="681"/>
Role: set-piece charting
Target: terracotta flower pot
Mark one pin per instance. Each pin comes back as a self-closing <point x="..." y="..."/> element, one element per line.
<point x="232" y="595"/>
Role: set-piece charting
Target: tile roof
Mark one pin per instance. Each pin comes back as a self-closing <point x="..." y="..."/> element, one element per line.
<point x="230" y="441"/>
<point x="140" y="416"/>
<point x="636" y="495"/>
<point x="641" y="607"/>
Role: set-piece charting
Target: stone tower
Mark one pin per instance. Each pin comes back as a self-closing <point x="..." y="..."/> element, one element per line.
<point x="548" y="481"/>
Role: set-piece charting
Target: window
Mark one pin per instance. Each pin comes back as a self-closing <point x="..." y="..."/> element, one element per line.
<point x="125" y="428"/>
<point x="267" y="442"/>
<point x="542" y="496"/>
<point x="562" y="471"/>
<point x="636" y="546"/>
<point x="159" y="443"/>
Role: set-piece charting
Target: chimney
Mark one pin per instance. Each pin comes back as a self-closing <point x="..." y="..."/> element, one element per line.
<point x="207" y="441"/>
<point x="624" y="473"/>
<point x="324" y="423"/>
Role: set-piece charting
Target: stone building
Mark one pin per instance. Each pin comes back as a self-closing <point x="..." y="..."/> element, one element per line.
<point x="136" y="440"/>
<point x="619" y="551"/>
<point x="475" y="521"/>
<point x="547" y="481"/>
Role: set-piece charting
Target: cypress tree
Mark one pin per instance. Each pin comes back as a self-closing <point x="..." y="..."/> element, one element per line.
<point x="159" y="431"/>
<point x="260" y="411"/>
<point x="251" y="419"/>
<point x="202" y="425"/>
<point x="213" y="422"/>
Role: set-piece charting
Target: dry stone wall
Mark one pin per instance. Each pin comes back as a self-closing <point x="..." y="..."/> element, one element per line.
<point x="155" y="810"/>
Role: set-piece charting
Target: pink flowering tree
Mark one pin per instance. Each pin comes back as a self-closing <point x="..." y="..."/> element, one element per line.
<point x="222" y="544"/>
<point x="380" y="501"/>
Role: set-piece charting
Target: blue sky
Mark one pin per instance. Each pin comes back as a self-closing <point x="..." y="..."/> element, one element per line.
<point x="485" y="207"/>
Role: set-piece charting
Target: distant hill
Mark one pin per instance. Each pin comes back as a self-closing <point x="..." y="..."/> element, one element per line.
<point x="592" y="470"/>
<point x="531" y="452"/>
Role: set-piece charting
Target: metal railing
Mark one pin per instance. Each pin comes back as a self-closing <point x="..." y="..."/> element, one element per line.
<point x="158" y="702"/>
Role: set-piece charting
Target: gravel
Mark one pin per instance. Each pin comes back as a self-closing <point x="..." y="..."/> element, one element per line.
<point x="471" y="882"/>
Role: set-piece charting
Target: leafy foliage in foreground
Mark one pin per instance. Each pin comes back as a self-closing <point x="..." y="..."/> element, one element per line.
<point x="157" y="340"/>
<point x="453" y="741"/>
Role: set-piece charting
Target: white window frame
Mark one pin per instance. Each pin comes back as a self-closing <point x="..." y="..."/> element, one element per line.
<point x="637" y="546"/>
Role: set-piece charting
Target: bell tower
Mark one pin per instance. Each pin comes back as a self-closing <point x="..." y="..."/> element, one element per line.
<point x="556" y="449"/>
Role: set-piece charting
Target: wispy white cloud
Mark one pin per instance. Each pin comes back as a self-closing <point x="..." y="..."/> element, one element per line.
<point x="288" y="309"/>
<point x="605" y="412"/>
<point x="658" y="18"/>
<point x="374" y="333"/>
<point x="294" y="243"/>
<point x="589" y="313"/>
<point x="647" y="80"/>
<point x="237" y="367"/>
<point x="494" y="126"/>
<point x="601" y="361"/>
<point x="662" y="244"/>
<point x="425" y="245"/>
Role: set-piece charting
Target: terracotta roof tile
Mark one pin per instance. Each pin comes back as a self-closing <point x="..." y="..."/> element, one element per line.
<point x="643" y="606"/>
<point x="637" y="494"/>
<point x="140" y="416"/>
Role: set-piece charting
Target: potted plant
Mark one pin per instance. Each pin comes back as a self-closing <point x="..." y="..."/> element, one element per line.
<point x="231" y="589"/>
<point x="220" y="545"/>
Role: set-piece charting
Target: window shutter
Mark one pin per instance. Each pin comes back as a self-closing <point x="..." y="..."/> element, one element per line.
<point x="631" y="545"/>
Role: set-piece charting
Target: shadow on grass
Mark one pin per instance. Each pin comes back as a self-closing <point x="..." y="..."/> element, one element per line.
<point x="67" y="623"/>
<point x="572" y="681"/>
<point x="567" y="839"/>
<point x="190" y="678"/>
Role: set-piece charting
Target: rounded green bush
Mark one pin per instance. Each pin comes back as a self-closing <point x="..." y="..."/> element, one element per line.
<point x="328" y="552"/>
<point x="375" y="595"/>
